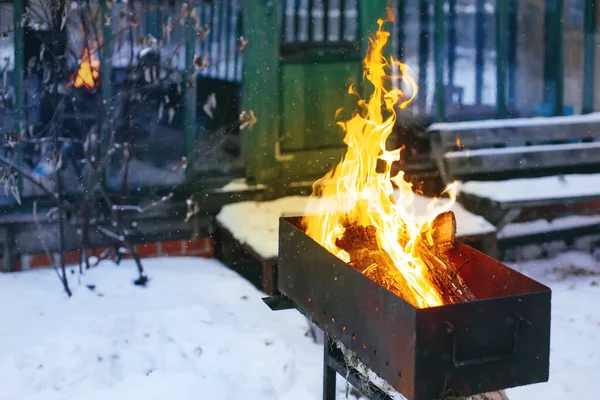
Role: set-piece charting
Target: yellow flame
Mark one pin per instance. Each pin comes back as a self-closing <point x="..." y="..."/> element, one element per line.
<point x="360" y="189"/>
<point x="88" y="72"/>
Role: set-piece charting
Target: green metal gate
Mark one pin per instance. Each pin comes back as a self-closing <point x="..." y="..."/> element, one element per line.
<point x="302" y="57"/>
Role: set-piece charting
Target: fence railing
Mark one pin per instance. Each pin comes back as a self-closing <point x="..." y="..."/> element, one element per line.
<point x="441" y="22"/>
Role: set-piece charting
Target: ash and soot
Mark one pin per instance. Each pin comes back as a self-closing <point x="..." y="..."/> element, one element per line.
<point x="354" y="212"/>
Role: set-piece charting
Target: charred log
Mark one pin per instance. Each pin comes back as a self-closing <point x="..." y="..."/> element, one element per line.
<point x="367" y="256"/>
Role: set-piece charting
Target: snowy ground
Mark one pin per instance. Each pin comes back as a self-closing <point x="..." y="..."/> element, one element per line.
<point x="200" y="331"/>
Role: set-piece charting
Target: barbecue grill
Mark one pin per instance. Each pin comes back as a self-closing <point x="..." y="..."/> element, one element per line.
<point x="498" y="341"/>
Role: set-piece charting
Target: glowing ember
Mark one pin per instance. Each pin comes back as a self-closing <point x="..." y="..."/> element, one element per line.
<point x="88" y="72"/>
<point x="360" y="190"/>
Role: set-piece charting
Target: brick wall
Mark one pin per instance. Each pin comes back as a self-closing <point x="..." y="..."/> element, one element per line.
<point x="201" y="247"/>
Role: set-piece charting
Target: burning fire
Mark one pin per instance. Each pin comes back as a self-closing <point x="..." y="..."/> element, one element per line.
<point x="360" y="189"/>
<point x="88" y="73"/>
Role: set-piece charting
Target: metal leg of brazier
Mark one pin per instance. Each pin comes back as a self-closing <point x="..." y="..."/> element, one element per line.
<point x="329" y="374"/>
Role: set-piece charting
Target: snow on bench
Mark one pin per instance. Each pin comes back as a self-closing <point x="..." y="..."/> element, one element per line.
<point x="535" y="189"/>
<point x="256" y="224"/>
<point x="542" y="122"/>
<point x="505" y="149"/>
<point x="541" y="226"/>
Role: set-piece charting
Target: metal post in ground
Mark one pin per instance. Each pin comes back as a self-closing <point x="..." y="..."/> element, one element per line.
<point x="329" y="374"/>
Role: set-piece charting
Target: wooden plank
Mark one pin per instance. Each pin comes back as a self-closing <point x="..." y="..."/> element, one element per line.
<point x="508" y="136"/>
<point x="466" y="163"/>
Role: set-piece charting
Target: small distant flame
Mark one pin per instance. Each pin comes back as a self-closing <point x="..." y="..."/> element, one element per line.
<point x="458" y="143"/>
<point x="88" y="73"/>
<point x="360" y="190"/>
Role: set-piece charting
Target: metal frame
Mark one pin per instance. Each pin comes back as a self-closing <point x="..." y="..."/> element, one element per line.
<point x="390" y="336"/>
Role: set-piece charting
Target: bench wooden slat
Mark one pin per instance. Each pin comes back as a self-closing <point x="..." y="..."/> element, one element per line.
<point x="466" y="163"/>
<point x="472" y="136"/>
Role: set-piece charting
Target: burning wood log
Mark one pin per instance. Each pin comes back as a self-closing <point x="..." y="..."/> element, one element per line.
<point x="444" y="231"/>
<point x="367" y="256"/>
<point x="430" y="248"/>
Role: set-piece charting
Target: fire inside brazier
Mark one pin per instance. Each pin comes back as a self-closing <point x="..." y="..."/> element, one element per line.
<point x="427" y="314"/>
<point x="500" y="339"/>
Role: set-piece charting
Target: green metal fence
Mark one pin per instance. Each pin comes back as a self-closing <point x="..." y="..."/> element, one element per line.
<point x="442" y="15"/>
<point x="301" y="53"/>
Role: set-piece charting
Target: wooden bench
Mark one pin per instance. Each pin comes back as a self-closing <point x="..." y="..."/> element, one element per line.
<point x="522" y="169"/>
<point x="246" y="235"/>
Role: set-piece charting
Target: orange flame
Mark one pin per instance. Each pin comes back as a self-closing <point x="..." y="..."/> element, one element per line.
<point x="360" y="190"/>
<point x="88" y="72"/>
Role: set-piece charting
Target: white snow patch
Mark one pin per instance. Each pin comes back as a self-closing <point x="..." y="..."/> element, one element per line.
<point x="200" y="331"/>
<point x="197" y="331"/>
<point x="556" y="187"/>
<point x="240" y="185"/>
<point x="575" y="327"/>
<point x="256" y="224"/>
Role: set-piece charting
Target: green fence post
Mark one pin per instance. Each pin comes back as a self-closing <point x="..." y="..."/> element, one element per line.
<point x="501" y="52"/>
<point x="369" y="12"/>
<point x="423" y="54"/>
<point x="589" y="56"/>
<point x="553" y="56"/>
<point x="189" y="108"/>
<point x="560" y="68"/>
<point x="262" y="88"/>
<point x="106" y="62"/>
<point x="19" y="64"/>
<point x="400" y="21"/>
<point x="452" y="41"/>
<point x="106" y="80"/>
<point x="438" y="54"/>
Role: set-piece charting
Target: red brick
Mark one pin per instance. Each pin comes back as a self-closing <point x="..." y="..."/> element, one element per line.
<point x="39" y="260"/>
<point x="172" y="248"/>
<point x="198" y="244"/>
<point x="98" y="251"/>
<point x="72" y="257"/>
<point x="147" y="249"/>
<point x="18" y="266"/>
<point x="202" y="247"/>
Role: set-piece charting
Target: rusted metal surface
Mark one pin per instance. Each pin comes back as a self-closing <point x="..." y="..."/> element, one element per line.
<point x="499" y="341"/>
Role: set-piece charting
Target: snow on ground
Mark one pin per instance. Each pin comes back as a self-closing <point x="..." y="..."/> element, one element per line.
<point x="201" y="331"/>
<point x="575" y="333"/>
<point x="197" y="331"/>
<point x="261" y="220"/>
<point x="559" y="186"/>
